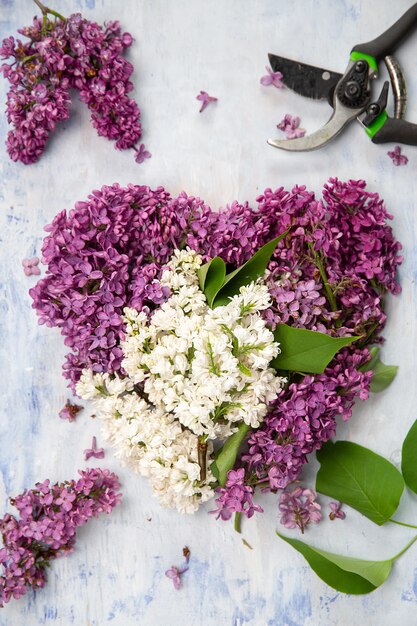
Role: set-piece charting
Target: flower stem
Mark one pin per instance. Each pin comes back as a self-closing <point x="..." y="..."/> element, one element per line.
<point x="45" y="10"/>
<point x="238" y="519"/>
<point x="409" y="544"/>
<point x="394" y="521"/>
<point x="329" y="292"/>
<point x="202" y="457"/>
<point x="29" y="58"/>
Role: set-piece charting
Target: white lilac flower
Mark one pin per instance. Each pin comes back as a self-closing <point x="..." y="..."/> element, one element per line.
<point x="191" y="372"/>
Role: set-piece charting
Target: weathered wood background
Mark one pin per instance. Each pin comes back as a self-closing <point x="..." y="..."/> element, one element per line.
<point x="116" y="574"/>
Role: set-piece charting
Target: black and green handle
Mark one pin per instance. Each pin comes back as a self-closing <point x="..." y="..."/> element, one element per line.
<point x="391" y="39"/>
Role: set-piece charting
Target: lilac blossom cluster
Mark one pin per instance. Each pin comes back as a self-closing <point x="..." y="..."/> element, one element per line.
<point x="236" y="497"/>
<point x="49" y="518"/>
<point x="107" y="254"/>
<point x="64" y="54"/>
<point x="298" y="507"/>
<point x="329" y="273"/>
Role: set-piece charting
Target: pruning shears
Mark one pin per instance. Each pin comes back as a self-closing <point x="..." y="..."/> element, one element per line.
<point x="349" y="94"/>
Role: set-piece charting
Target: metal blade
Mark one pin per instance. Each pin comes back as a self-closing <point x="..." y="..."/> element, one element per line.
<point x="340" y="118"/>
<point x="306" y="80"/>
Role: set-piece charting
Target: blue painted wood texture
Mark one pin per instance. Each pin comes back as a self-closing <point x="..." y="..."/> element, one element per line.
<point x="116" y="574"/>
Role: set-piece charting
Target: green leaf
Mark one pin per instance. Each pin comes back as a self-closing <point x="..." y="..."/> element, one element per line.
<point x="253" y="268"/>
<point x="409" y="458"/>
<point x="211" y="276"/>
<point x="360" y="478"/>
<point x="343" y="573"/>
<point x="383" y="374"/>
<point x="306" y="350"/>
<point x="225" y="458"/>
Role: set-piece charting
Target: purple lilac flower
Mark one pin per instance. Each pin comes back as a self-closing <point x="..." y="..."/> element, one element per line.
<point x="49" y="518"/>
<point x="272" y="78"/>
<point x="175" y="573"/>
<point x="64" y="54"/>
<point x="236" y="497"/>
<point x="96" y="453"/>
<point x="291" y="126"/>
<point x="336" y="511"/>
<point x="70" y="411"/>
<point x="397" y="157"/>
<point x="205" y="100"/>
<point x="142" y="154"/>
<point x="30" y="266"/>
<point x="299" y="507"/>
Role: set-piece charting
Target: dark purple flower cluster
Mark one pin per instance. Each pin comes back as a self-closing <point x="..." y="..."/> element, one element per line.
<point x="64" y="54"/>
<point x="49" y="518"/>
<point x="104" y="255"/>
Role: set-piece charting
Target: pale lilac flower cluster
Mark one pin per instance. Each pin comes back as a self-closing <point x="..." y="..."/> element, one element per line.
<point x="299" y="508"/>
<point x="49" y="518"/>
<point x="64" y="54"/>
<point x="236" y="497"/>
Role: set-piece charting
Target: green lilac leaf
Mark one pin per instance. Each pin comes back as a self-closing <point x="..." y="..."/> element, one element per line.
<point x="306" y="350"/>
<point x="409" y="458"/>
<point x="225" y="458"/>
<point x="343" y="573"/>
<point x="383" y="375"/>
<point x="253" y="269"/>
<point x="362" y="479"/>
<point x="211" y="277"/>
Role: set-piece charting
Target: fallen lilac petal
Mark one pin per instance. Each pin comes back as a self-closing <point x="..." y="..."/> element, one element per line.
<point x="97" y="453"/>
<point x="336" y="511"/>
<point x="205" y="100"/>
<point x="30" y="266"/>
<point x="397" y="157"/>
<point x="70" y="411"/>
<point x="175" y="573"/>
<point x="291" y="126"/>
<point x="142" y="154"/>
<point x="272" y="78"/>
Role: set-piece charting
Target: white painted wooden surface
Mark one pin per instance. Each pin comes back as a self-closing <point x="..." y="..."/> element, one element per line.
<point x="116" y="574"/>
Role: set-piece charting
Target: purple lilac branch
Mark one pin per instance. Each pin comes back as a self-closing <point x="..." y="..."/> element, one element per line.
<point x="61" y="55"/>
<point x="49" y="518"/>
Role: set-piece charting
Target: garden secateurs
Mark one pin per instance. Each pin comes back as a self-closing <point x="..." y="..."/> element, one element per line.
<point x="349" y="94"/>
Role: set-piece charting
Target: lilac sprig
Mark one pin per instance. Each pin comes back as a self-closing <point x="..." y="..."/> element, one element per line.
<point x="64" y="54"/>
<point x="235" y="497"/>
<point x="49" y="518"/>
